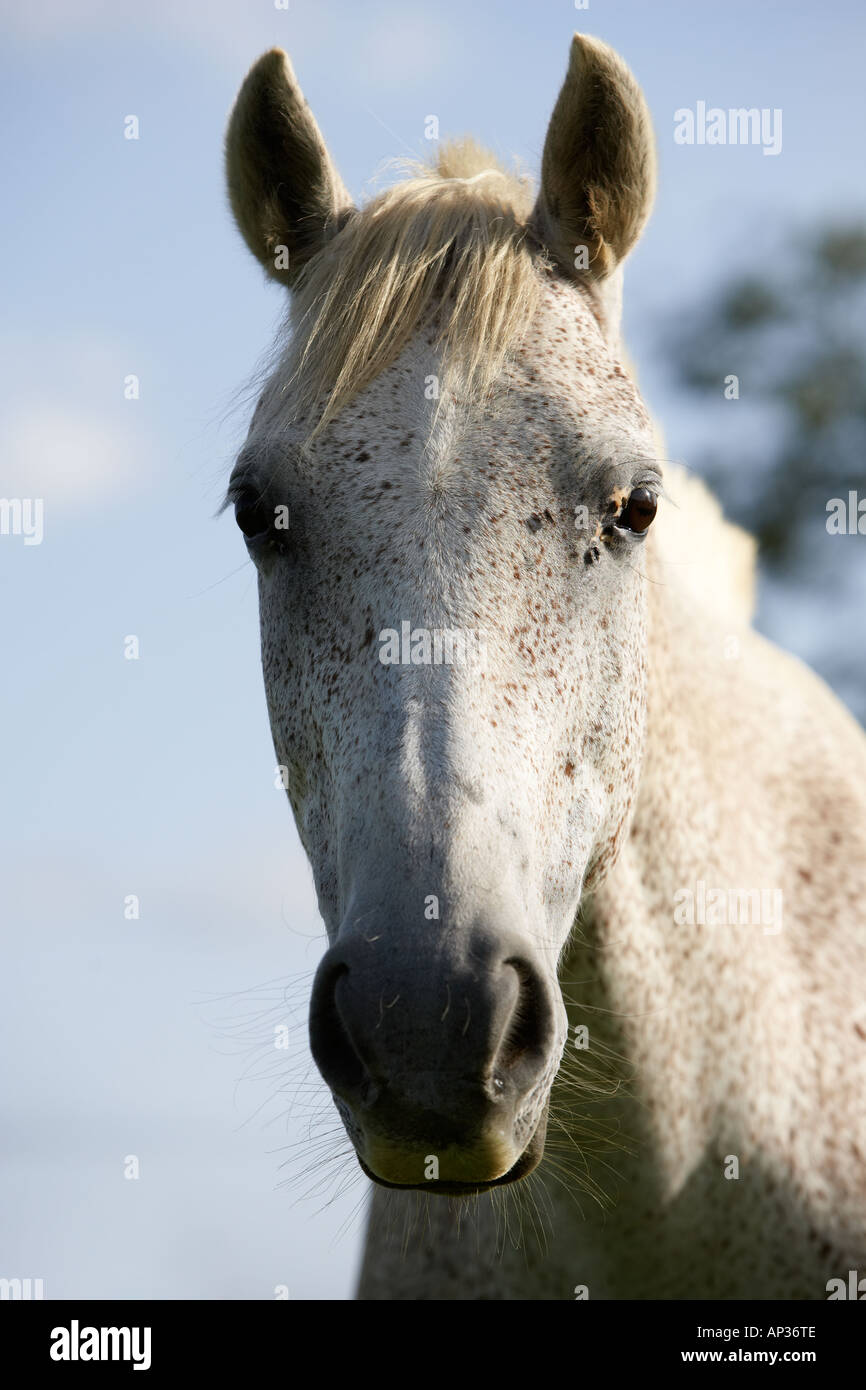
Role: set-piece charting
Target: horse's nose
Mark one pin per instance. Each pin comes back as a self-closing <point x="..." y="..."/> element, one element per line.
<point x="433" y="1054"/>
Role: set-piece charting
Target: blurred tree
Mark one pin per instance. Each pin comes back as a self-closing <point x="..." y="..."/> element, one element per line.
<point x="793" y="338"/>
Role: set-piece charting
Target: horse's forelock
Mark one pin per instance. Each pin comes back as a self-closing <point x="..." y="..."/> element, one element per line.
<point x="450" y="242"/>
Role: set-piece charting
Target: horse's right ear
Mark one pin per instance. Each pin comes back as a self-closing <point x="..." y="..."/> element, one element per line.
<point x="598" y="167"/>
<point x="286" y="195"/>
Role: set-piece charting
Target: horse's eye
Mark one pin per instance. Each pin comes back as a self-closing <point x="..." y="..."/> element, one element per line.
<point x="251" y="515"/>
<point x="638" y="510"/>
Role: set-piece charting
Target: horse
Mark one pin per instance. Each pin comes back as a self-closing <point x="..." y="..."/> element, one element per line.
<point x="589" y="850"/>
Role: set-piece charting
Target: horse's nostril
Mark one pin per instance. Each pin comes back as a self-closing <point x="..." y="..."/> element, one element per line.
<point x="528" y="1037"/>
<point x="330" y="1040"/>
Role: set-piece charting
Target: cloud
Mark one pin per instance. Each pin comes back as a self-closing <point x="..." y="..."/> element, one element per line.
<point x="63" y="457"/>
<point x="67" y="434"/>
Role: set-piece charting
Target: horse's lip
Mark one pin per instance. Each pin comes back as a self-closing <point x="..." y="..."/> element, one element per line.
<point x="529" y="1159"/>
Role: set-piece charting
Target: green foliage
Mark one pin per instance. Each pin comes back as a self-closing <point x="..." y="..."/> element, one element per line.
<point x="793" y="334"/>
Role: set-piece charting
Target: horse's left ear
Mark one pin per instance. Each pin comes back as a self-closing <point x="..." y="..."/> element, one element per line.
<point x="598" y="168"/>
<point x="286" y="195"/>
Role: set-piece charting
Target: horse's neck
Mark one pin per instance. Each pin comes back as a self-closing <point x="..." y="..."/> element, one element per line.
<point x="712" y="1018"/>
<point x="657" y="983"/>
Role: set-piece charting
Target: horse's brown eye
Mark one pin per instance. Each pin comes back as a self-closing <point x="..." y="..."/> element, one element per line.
<point x="638" y="511"/>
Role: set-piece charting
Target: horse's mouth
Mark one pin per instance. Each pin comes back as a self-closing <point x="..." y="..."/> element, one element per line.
<point x="529" y="1159"/>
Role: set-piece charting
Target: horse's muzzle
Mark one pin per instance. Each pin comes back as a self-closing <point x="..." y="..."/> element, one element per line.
<point x="440" y="1060"/>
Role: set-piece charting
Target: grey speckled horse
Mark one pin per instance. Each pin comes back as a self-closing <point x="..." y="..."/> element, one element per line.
<point x="590" y="853"/>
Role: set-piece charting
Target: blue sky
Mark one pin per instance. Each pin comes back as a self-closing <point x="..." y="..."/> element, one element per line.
<point x="155" y="777"/>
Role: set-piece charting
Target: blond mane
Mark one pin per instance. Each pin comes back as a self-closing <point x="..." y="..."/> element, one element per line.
<point x="450" y="238"/>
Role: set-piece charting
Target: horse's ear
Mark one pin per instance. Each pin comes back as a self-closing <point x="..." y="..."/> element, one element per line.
<point x="285" y="193"/>
<point x="598" y="168"/>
